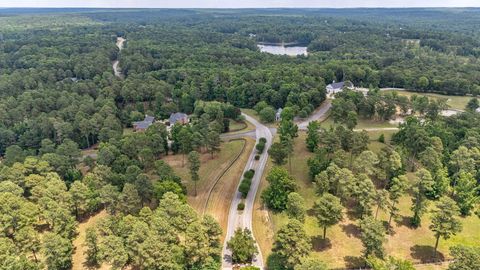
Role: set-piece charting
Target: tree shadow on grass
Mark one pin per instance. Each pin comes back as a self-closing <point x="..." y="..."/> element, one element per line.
<point x="425" y="254"/>
<point x="320" y="244"/>
<point x="351" y="230"/>
<point x="352" y="214"/>
<point x="311" y="212"/>
<point x="405" y="221"/>
<point x="354" y="262"/>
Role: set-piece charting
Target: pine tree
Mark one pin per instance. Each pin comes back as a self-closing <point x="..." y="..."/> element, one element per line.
<point x="292" y="243"/>
<point x="328" y="211"/>
<point x="194" y="166"/>
<point x="445" y="221"/>
<point x="423" y="184"/>
<point x="91" y="244"/>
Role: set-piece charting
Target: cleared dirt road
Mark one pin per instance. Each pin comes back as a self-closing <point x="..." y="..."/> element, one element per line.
<point x="116" y="70"/>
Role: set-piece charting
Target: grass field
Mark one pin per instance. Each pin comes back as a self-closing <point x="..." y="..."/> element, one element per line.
<point x="343" y="248"/>
<point x="361" y="124"/>
<point x="209" y="170"/>
<point x="223" y="192"/>
<point x="455" y="102"/>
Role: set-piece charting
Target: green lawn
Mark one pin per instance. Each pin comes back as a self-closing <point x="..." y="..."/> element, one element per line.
<point x="237" y="126"/>
<point x="361" y="123"/>
<point x="455" y="102"/>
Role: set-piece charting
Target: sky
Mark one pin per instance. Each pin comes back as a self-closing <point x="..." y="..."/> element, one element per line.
<point x="238" y="3"/>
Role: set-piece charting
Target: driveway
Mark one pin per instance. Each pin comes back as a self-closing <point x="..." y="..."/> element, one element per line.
<point x="318" y="115"/>
<point x="243" y="219"/>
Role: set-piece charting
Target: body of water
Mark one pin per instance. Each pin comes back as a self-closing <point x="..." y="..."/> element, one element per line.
<point x="282" y="50"/>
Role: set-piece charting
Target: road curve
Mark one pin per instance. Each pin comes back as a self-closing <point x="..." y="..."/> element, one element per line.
<point x="243" y="219"/>
<point x="318" y="114"/>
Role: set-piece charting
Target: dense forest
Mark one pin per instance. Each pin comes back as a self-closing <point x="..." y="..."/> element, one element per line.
<point x="57" y="81"/>
<point x="58" y="95"/>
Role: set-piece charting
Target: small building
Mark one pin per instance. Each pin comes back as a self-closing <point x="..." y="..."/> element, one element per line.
<point x="143" y="125"/>
<point x="336" y="87"/>
<point x="278" y="114"/>
<point x="178" y="117"/>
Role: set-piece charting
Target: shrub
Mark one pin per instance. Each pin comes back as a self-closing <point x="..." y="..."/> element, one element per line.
<point x="244" y="187"/>
<point x="267" y="114"/>
<point x="262" y="140"/>
<point x="249" y="174"/>
<point x="257" y="157"/>
<point x="381" y="138"/>
<point x="303" y="114"/>
<point x="240" y="206"/>
<point x="260" y="147"/>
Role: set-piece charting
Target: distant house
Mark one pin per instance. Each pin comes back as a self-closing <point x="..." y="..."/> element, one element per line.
<point x="278" y="114"/>
<point x="336" y="87"/>
<point x="143" y="125"/>
<point x="178" y="117"/>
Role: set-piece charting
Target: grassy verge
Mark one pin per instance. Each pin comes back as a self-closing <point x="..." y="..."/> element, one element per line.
<point x="262" y="223"/>
<point x="361" y="123"/>
<point x="209" y="169"/>
<point x="240" y="127"/>
<point x="222" y="195"/>
<point x="237" y="126"/>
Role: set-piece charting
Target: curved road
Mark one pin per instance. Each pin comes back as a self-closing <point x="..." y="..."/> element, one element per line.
<point x="243" y="219"/>
<point x="116" y="69"/>
<point x="318" y="114"/>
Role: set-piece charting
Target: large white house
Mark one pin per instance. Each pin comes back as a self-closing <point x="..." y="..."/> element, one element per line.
<point x="336" y="87"/>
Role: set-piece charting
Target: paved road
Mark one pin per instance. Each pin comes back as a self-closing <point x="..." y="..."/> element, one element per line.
<point x="251" y="133"/>
<point x="377" y="129"/>
<point x="243" y="219"/>
<point x="318" y="114"/>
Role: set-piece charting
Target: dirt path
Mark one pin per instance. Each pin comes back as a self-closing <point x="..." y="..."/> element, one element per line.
<point x="78" y="258"/>
<point x="116" y="69"/>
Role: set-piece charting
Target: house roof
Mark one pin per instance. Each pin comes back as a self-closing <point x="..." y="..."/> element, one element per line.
<point x="142" y="125"/>
<point x="174" y="117"/>
<point x="148" y="121"/>
<point x="338" y="85"/>
<point x="149" y="118"/>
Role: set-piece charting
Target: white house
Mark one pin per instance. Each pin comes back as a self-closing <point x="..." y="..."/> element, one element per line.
<point x="336" y="87"/>
<point x="478" y="110"/>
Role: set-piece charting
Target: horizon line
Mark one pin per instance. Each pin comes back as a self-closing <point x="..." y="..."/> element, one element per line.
<point x="358" y="7"/>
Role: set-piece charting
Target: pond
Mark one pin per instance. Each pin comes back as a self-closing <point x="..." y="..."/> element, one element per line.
<point x="283" y="50"/>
